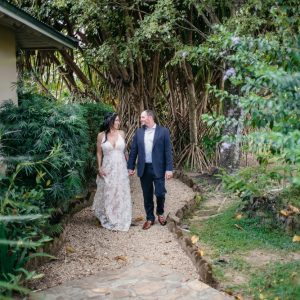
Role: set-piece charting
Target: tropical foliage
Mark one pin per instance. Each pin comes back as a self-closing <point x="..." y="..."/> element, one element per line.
<point x="48" y="149"/>
<point x="263" y="65"/>
<point x="36" y="127"/>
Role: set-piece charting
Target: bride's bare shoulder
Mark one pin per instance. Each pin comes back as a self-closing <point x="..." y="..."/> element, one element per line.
<point x="100" y="135"/>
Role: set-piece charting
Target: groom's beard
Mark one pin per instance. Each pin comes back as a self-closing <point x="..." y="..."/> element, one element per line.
<point x="144" y="126"/>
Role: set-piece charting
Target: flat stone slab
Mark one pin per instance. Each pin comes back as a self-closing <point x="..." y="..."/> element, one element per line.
<point x="140" y="280"/>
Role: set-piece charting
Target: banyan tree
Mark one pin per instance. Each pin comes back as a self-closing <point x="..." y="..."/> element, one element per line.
<point x="135" y="55"/>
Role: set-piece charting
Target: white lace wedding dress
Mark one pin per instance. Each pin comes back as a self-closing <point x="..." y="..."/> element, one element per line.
<point x="112" y="201"/>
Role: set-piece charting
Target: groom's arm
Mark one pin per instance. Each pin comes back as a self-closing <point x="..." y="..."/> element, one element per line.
<point x="168" y="152"/>
<point x="133" y="153"/>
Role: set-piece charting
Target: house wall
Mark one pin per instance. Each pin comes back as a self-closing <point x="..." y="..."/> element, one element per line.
<point x="8" y="68"/>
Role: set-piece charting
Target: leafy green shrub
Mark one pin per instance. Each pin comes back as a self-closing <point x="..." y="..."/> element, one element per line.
<point x="23" y="220"/>
<point x="39" y="127"/>
<point x="214" y="135"/>
<point x="36" y="127"/>
<point x="20" y="237"/>
<point x="253" y="182"/>
<point x="262" y="68"/>
<point x="94" y="115"/>
<point x="49" y="149"/>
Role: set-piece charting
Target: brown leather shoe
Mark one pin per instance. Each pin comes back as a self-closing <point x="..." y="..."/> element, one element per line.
<point x="161" y="220"/>
<point x="147" y="224"/>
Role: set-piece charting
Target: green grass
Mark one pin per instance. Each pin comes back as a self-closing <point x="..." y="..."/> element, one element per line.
<point x="233" y="239"/>
<point x="222" y="234"/>
<point x="278" y="280"/>
<point x="238" y="264"/>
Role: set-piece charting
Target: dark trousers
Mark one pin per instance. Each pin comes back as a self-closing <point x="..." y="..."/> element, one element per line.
<point x="148" y="180"/>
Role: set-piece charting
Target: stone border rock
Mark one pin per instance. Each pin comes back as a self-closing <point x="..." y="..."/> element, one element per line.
<point x="54" y="245"/>
<point x="204" y="269"/>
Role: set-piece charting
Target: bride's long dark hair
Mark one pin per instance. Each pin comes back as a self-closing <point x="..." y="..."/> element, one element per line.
<point x="108" y="123"/>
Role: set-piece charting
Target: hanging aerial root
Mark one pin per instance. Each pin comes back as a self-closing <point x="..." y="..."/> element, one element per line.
<point x="194" y="158"/>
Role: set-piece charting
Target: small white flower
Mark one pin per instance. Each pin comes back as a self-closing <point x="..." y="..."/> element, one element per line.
<point x="225" y="146"/>
<point x="235" y="40"/>
<point x="184" y="54"/>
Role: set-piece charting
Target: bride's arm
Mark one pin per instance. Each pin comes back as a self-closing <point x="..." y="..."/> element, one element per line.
<point x="100" y="170"/>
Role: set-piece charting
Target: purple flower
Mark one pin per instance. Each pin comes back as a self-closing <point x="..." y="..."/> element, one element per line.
<point x="230" y="72"/>
<point x="235" y="40"/>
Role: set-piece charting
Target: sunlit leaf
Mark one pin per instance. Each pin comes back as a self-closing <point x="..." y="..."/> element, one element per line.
<point x="70" y="249"/>
<point x="294" y="209"/>
<point x="284" y="213"/>
<point x="138" y="219"/>
<point x="38" y="276"/>
<point x="194" y="239"/>
<point x="239" y="216"/>
<point x="20" y="218"/>
<point x="239" y="227"/>
<point x="20" y="243"/>
<point x="121" y="257"/>
<point x="296" y="238"/>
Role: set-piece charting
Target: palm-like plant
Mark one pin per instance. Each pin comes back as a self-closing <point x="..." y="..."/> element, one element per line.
<point x="37" y="126"/>
<point x="17" y="234"/>
<point x="14" y="254"/>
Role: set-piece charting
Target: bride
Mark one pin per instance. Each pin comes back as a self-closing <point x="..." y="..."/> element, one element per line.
<point x="112" y="201"/>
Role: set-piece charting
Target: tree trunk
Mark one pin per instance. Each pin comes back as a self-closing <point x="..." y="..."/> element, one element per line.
<point x="230" y="152"/>
<point x="192" y="103"/>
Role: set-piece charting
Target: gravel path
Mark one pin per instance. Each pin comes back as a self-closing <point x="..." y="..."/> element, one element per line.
<point x="90" y="249"/>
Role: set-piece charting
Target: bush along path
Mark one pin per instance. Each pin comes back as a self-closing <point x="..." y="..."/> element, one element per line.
<point x="252" y="256"/>
<point x="95" y="262"/>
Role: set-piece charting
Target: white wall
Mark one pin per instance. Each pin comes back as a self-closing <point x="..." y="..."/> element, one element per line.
<point x="8" y="69"/>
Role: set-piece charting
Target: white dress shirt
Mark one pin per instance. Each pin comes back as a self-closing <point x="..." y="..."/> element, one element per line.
<point x="148" y="140"/>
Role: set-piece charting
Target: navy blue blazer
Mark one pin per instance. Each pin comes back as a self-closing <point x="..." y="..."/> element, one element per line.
<point x="162" y="159"/>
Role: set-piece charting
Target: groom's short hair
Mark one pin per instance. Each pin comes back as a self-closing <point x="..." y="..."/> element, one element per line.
<point x="150" y="113"/>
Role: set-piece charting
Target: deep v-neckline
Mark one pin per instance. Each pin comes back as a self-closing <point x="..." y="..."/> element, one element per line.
<point x="114" y="147"/>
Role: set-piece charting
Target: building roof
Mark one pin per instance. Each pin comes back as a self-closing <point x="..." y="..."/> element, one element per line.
<point x="30" y="32"/>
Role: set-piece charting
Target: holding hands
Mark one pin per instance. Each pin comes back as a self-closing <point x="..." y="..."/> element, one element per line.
<point x="131" y="172"/>
<point x="168" y="175"/>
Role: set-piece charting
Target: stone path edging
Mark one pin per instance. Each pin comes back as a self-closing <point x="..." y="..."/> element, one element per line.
<point x="203" y="268"/>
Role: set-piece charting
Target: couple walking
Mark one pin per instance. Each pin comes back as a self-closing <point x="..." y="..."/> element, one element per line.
<point x="151" y="145"/>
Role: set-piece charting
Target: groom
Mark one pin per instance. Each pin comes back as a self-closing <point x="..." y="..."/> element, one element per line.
<point x="152" y="145"/>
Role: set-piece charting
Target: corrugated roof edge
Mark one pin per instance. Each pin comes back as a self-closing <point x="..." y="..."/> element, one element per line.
<point x="24" y="17"/>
